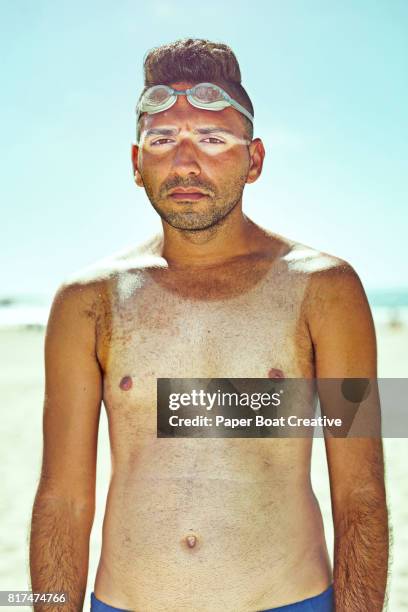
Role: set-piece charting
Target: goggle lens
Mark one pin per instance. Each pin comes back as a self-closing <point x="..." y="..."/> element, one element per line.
<point x="207" y="93"/>
<point x="202" y="93"/>
<point x="157" y="95"/>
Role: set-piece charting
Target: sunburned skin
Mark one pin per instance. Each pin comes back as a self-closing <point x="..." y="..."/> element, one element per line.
<point x="208" y="139"/>
<point x="241" y="320"/>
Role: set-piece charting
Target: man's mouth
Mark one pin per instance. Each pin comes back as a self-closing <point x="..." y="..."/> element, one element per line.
<point x="187" y="194"/>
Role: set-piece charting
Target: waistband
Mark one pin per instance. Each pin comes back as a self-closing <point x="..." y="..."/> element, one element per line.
<point x="319" y="603"/>
<point x="99" y="606"/>
<point x="324" y="602"/>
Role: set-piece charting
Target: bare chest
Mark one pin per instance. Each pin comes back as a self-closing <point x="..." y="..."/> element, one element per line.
<point x="203" y="328"/>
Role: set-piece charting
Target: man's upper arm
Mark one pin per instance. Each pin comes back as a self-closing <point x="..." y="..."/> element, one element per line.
<point x="344" y="341"/>
<point x="73" y="394"/>
<point x="341" y="325"/>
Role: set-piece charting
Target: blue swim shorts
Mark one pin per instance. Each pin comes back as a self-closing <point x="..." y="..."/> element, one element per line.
<point x="99" y="606"/>
<point x="319" y="603"/>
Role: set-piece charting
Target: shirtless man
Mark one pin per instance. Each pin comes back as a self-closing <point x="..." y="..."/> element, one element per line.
<point x="212" y="524"/>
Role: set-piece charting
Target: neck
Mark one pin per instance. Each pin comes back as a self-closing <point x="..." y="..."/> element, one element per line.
<point x="233" y="236"/>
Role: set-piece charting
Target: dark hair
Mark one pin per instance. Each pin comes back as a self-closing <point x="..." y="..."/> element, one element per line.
<point x="197" y="60"/>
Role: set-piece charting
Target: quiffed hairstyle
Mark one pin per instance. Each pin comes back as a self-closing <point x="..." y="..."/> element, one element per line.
<point x="197" y="60"/>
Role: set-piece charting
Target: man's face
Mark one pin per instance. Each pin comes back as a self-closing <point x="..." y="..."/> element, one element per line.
<point x="200" y="150"/>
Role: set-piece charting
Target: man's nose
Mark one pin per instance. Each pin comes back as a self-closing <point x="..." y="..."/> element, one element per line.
<point x="185" y="159"/>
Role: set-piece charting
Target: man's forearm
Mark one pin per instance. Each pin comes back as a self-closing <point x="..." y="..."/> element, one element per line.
<point x="59" y="550"/>
<point x="361" y="556"/>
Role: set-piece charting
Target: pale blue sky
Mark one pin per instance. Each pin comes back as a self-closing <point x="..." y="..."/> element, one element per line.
<point x="329" y="83"/>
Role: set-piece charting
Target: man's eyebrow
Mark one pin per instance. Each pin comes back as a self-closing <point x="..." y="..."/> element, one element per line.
<point x="213" y="129"/>
<point x="203" y="130"/>
<point x="161" y="131"/>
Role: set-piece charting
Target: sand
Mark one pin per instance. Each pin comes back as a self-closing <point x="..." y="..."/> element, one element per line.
<point x="21" y="385"/>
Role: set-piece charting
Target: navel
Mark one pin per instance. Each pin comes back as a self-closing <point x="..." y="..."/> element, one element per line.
<point x="191" y="540"/>
<point x="126" y="383"/>
<point x="276" y="373"/>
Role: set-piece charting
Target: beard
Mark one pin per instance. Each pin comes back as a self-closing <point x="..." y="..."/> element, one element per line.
<point x="198" y="214"/>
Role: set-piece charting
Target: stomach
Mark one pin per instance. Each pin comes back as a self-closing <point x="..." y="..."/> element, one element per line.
<point x="219" y="525"/>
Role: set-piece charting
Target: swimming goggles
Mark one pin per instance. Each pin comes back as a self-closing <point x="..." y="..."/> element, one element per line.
<point x="204" y="95"/>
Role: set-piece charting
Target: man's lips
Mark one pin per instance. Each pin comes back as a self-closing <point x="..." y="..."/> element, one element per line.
<point x="187" y="196"/>
<point x="183" y="194"/>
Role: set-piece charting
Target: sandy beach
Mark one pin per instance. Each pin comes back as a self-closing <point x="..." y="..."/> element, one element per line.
<point x="21" y="384"/>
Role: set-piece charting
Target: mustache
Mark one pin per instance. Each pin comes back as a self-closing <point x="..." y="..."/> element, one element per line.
<point x="171" y="184"/>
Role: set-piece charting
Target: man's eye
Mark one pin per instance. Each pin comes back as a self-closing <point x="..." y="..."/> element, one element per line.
<point x="163" y="141"/>
<point x="218" y="141"/>
<point x="160" y="141"/>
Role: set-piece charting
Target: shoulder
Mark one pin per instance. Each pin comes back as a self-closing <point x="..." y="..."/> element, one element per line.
<point x="86" y="291"/>
<point x="325" y="273"/>
<point x="140" y="258"/>
<point x="333" y="286"/>
<point x="335" y="301"/>
<point x="314" y="265"/>
<point x="95" y="279"/>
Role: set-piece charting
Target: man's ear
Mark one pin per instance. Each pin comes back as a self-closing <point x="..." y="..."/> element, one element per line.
<point x="257" y="153"/>
<point x="136" y="174"/>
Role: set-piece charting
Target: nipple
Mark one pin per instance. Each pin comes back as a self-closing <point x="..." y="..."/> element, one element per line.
<point x="126" y="383"/>
<point x="275" y="373"/>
